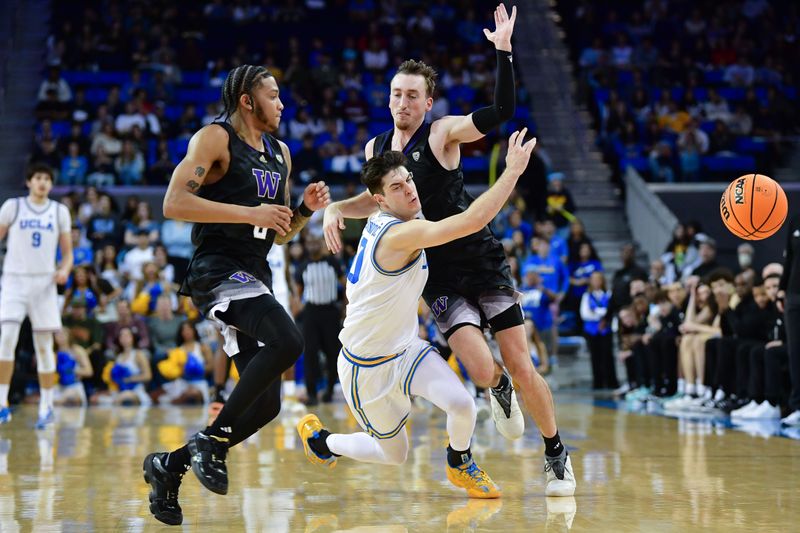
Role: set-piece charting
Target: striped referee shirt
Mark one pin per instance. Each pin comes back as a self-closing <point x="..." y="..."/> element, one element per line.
<point x="320" y="280"/>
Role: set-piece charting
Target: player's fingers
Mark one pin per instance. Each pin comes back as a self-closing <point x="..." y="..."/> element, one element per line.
<point x="529" y="145"/>
<point x="521" y="137"/>
<point x="487" y="33"/>
<point x="503" y="12"/>
<point x="497" y="18"/>
<point x="285" y="210"/>
<point x="513" y="139"/>
<point x="513" y="15"/>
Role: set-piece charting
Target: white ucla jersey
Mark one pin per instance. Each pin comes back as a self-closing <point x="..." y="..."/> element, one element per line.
<point x="33" y="233"/>
<point x="382" y="304"/>
<point x="277" y="264"/>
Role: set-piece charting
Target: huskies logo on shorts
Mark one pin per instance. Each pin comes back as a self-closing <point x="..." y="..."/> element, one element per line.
<point x="439" y="306"/>
<point x="242" y="277"/>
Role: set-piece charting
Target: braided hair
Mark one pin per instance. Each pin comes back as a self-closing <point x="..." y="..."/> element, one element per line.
<point x="240" y="80"/>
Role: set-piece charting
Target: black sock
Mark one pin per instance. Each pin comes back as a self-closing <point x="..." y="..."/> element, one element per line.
<point x="320" y="446"/>
<point x="178" y="461"/>
<point x="503" y="384"/>
<point x="552" y="445"/>
<point x="456" y="458"/>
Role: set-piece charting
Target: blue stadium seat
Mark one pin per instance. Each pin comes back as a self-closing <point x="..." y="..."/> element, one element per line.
<point x="61" y="128"/>
<point x="731" y="94"/>
<point x="700" y="94"/>
<point x="194" y="78"/>
<point x="474" y="164"/>
<point x="642" y="164"/>
<point x="737" y="163"/>
<point x="751" y="145"/>
<point x="380" y="113"/>
<point x="714" y="77"/>
<point x="96" y="95"/>
<point x="377" y="126"/>
<point x="177" y="148"/>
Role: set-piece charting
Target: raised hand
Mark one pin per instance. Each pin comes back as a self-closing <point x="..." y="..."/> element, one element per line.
<point x="272" y="216"/>
<point x="518" y="153"/>
<point x="332" y="226"/>
<point x="317" y="196"/>
<point x="504" y="27"/>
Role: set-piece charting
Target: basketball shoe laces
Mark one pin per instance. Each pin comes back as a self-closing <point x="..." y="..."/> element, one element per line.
<point x="477" y="475"/>
<point x="556" y="466"/>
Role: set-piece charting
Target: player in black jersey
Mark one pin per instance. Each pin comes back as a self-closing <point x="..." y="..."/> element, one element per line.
<point x="470" y="282"/>
<point x="233" y="184"/>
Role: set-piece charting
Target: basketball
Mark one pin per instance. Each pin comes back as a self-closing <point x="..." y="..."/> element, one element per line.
<point x="753" y="207"/>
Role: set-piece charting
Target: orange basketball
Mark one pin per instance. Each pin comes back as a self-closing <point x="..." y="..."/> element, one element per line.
<point x="753" y="207"/>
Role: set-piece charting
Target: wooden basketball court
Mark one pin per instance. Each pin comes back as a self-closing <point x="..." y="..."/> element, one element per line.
<point x="635" y="473"/>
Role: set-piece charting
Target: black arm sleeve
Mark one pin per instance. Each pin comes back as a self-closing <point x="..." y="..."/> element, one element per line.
<point x="488" y="118"/>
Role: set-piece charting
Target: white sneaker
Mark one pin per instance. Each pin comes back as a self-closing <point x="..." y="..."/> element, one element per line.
<point x="763" y="411"/>
<point x="560" y="478"/>
<point x="742" y="412"/>
<point x="792" y="420"/>
<point x="506" y="413"/>
<point x="677" y="403"/>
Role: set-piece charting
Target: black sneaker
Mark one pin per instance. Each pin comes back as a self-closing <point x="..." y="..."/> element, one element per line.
<point x="164" y="490"/>
<point x="208" y="461"/>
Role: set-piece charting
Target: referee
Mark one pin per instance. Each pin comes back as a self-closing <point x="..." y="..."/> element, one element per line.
<point x="789" y="303"/>
<point x="318" y="280"/>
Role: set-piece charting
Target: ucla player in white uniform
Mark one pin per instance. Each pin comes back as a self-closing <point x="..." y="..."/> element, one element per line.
<point x="36" y="226"/>
<point x="383" y="361"/>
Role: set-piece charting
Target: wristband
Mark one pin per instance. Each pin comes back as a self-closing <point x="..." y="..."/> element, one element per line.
<point x="304" y="210"/>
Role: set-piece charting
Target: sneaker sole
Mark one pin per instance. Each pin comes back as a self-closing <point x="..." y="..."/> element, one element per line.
<point x="222" y="491"/>
<point x="166" y="518"/>
<point x="561" y="491"/>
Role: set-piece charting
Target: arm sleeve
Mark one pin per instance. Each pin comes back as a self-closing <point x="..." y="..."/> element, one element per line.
<point x="488" y="118"/>
<point x="8" y="212"/>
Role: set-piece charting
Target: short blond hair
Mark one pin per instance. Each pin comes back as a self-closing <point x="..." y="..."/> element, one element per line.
<point x="419" y="68"/>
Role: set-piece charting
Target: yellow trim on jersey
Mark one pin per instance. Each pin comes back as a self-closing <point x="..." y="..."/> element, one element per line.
<point x="375" y="248"/>
<point x="369" y="361"/>
<point x="360" y="410"/>
<point x="413" y="370"/>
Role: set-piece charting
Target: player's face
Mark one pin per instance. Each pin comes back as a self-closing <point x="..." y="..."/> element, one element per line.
<point x="399" y="194"/>
<point x="267" y="105"/>
<point x="40" y="184"/>
<point x="408" y="101"/>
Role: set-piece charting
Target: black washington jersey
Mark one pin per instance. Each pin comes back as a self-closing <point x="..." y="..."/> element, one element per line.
<point x="442" y="194"/>
<point x="253" y="178"/>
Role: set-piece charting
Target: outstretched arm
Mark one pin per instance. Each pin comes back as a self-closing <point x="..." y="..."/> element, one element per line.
<point x="416" y="234"/>
<point x="360" y="206"/>
<point x="181" y="201"/>
<point x="465" y="129"/>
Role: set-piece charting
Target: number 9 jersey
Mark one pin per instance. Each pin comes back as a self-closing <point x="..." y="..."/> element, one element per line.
<point x="33" y="233"/>
<point x="382" y="304"/>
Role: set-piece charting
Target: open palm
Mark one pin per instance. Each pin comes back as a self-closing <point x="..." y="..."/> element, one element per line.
<point x="504" y="27"/>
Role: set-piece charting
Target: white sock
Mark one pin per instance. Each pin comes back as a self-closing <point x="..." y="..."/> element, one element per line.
<point x="681" y="386"/>
<point x="289" y="389"/>
<point x="4" y="395"/>
<point x="45" y="400"/>
<point x="362" y="447"/>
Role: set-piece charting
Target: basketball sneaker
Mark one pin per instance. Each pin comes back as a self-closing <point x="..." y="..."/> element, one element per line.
<point x="5" y="415"/>
<point x="164" y="487"/>
<point x="472" y="478"/>
<point x="208" y="461"/>
<point x="560" y="478"/>
<point x="309" y="427"/>
<point x="506" y="412"/>
<point x="46" y="420"/>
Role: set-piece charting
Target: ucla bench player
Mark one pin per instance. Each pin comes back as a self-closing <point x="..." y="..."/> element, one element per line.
<point x="36" y="226"/>
<point x="383" y="361"/>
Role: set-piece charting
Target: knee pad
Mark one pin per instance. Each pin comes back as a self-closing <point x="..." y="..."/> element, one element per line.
<point x="45" y="357"/>
<point x="9" y="335"/>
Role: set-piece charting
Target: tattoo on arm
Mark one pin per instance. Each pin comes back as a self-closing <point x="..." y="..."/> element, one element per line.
<point x="199" y="172"/>
<point x="192" y="186"/>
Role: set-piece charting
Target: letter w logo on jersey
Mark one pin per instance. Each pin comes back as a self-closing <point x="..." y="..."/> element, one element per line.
<point x="439" y="306"/>
<point x="242" y="277"/>
<point x="267" y="183"/>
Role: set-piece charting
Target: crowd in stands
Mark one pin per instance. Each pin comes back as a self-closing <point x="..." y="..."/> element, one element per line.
<point x="689" y="91"/>
<point x="127" y="85"/>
